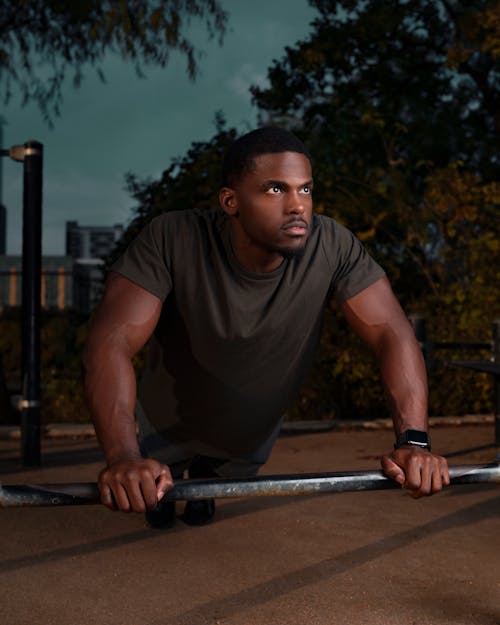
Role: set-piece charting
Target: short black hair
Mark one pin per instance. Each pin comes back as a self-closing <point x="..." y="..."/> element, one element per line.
<point x="268" y="140"/>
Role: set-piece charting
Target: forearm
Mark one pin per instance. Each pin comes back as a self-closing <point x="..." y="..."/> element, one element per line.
<point x="377" y="318"/>
<point x="110" y="394"/>
<point x="418" y="470"/>
<point x="121" y="326"/>
<point x="404" y="378"/>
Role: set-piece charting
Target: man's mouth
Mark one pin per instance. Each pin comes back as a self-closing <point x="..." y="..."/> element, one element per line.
<point x="296" y="227"/>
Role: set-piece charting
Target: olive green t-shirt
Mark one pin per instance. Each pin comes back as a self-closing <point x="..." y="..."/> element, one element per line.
<point x="232" y="347"/>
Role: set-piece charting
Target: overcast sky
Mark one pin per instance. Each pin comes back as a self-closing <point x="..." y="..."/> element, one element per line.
<point x="138" y="125"/>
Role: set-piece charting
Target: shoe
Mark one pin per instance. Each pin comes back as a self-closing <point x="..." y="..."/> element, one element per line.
<point x="199" y="512"/>
<point x="163" y="516"/>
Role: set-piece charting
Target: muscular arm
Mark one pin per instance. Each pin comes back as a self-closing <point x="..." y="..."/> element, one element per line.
<point x="124" y="321"/>
<point x="376" y="316"/>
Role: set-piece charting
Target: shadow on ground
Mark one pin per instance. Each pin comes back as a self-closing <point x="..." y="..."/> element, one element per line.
<point x="330" y="567"/>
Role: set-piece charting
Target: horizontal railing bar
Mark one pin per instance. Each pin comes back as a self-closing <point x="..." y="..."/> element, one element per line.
<point x="263" y="486"/>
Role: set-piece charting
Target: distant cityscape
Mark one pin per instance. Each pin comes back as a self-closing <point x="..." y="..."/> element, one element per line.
<point x="70" y="281"/>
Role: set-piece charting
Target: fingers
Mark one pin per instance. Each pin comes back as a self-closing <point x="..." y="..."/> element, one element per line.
<point x="392" y="471"/>
<point x="420" y="472"/>
<point x="106" y="496"/>
<point x="147" y="492"/>
<point x="134" y="485"/>
<point x="164" y="482"/>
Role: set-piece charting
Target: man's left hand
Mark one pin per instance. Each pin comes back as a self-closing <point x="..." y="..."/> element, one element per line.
<point x="417" y="470"/>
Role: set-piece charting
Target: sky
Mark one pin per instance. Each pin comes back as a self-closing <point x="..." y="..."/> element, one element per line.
<point x="138" y="125"/>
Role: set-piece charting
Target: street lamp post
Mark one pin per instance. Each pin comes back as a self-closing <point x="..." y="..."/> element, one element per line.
<point x="31" y="155"/>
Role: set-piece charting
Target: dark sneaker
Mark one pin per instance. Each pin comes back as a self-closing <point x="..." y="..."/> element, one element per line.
<point x="199" y="512"/>
<point x="162" y="516"/>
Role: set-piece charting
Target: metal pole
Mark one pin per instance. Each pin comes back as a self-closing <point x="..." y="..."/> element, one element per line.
<point x="264" y="486"/>
<point x="496" y="382"/>
<point x="31" y="276"/>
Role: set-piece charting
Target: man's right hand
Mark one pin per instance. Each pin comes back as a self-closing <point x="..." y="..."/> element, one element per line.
<point x="133" y="483"/>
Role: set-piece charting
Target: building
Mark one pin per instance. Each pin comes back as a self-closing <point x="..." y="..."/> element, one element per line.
<point x="71" y="281"/>
<point x="65" y="283"/>
<point x="88" y="281"/>
<point x="91" y="241"/>
<point x="88" y="246"/>
<point x="56" y="289"/>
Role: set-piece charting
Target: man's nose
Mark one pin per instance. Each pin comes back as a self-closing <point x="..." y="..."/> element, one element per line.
<point x="296" y="204"/>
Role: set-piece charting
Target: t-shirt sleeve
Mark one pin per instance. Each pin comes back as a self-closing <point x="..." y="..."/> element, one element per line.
<point x="353" y="269"/>
<point x="146" y="260"/>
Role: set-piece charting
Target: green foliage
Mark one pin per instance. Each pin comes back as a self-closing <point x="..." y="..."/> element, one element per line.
<point x="373" y="87"/>
<point x="63" y="335"/>
<point x="62" y="338"/>
<point x="376" y="98"/>
<point x="463" y="299"/>
<point x="398" y="102"/>
<point x="41" y="40"/>
<point x="466" y="299"/>
<point x="190" y="181"/>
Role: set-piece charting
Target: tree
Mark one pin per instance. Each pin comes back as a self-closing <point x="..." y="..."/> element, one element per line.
<point x="463" y="210"/>
<point x="42" y="39"/>
<point x="398" y="102"/>
<point x="384" y="92"/>
<point x="405" y="79"/>
<point x="190" y="181"/>
<point x="62" y="338"/>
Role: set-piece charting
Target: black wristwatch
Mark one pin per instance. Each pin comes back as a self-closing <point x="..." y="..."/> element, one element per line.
<point x="417" y="438"/>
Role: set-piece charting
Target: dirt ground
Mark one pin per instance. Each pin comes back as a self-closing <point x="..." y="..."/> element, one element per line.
<point x="372" y="558"/>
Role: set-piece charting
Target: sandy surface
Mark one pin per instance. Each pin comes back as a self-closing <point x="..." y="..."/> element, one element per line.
<point x="375" y="558"/>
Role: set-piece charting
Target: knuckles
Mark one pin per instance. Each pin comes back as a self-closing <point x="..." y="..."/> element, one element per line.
<point x="425" y="472"/>
<point x="121" y="483"/>
<point x="120" y="474"/>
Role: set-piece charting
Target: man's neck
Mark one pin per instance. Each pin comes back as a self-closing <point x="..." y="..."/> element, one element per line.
<point x="251" y="257"/>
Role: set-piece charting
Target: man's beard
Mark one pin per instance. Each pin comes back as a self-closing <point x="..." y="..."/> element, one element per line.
<point x="289" y="253"/>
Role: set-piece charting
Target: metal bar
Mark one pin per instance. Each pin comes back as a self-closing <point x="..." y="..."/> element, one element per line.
<point x="484" y="366"/>
<point x="264" y="486"/>
<point x="31" y="281"/>
<point x="26" y="495"/>
<point x="457" y="345"/>
<point x="496" y="381"/>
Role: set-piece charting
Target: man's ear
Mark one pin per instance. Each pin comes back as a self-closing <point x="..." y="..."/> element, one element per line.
<point x="228" y="201"/>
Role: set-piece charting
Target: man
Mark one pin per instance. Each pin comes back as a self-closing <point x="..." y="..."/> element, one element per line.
<point x="232" y="300"/>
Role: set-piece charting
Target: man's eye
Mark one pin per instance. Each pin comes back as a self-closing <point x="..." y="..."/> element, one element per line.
<point x="306" y="189"/>
<point x="275" y="189"/>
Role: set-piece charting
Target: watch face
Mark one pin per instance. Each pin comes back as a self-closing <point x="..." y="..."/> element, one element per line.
<point x="414" y="437"/>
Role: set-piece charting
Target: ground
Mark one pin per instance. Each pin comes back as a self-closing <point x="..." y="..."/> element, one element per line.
<point x="370" y="558"/>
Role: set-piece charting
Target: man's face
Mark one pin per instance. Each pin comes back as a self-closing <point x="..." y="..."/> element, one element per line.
<point x="271" y="205"/>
